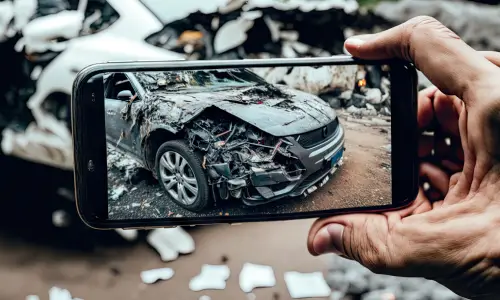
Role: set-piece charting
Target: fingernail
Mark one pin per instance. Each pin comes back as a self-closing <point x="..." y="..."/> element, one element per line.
<point x="354" y="41"/>
<point x="329" y="240"/>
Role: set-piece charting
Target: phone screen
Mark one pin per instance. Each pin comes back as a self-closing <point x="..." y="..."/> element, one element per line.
<point x="247" y="141"/>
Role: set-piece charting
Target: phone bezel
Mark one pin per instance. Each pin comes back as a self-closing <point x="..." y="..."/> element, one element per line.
<point x="89" y="141"/>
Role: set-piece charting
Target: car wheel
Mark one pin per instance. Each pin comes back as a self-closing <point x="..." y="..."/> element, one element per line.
<point x="179" y="170"/>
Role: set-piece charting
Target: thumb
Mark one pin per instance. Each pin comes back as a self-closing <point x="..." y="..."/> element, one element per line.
<point x="365" y="238"/>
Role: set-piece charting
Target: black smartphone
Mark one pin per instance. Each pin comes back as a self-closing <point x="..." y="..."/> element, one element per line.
<point x="177" y="143"/>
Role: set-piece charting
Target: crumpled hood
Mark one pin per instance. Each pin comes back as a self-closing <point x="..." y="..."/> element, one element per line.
<point x="291" y="113"/>
<point x="275" y="109"/>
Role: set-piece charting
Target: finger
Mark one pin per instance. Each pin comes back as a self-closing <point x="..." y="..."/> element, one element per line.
<point x="453" y="66"/>
<point x="452" y="166"/>
<point x="425" y="112"/>
<point x="447" y="110"/>
<point x="357" y="236"/>
<point x="425" y="146"/>
<point x="492" y="56"/>
<point x="420" y="205"/>
<point x="366" y="238"/>
<point x="437" y="178"/>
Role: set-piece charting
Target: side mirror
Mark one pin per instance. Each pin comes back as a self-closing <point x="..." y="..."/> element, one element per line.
<point x="124" y="95"/>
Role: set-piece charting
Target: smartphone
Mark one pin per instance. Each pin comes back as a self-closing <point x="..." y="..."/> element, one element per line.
<point x="179" y="143"/>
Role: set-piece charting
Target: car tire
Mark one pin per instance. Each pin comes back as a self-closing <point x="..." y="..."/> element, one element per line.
<point x="192" y="169"/>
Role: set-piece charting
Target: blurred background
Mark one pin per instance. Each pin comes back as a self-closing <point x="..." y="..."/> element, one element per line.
<point x="45" y="250"/>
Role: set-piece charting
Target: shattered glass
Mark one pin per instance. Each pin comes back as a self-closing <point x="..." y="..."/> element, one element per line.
<point x="174" y="80"/>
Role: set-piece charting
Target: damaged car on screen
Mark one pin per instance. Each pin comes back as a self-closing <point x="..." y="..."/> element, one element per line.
<point x="210" y="135"/>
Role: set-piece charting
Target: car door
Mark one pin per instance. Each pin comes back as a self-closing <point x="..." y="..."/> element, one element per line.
<point x="117" y="126"/>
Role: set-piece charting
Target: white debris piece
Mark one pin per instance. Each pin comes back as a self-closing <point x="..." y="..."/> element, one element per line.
<point x="337" y="295"/>
<point x="120" y="161"/>
<point x="35" y="74"/>
<point x="373" y="96"/>
<point x="23" y="10"/>
<point x="205" y="297"/>
<point x="380" y="295"/>
<point x="66" y="193"/>
<point x="253" y="276"/>
<point x="232" y="34"/>
<point x="169" y="242"/>
<point x="39" y="33"/>
<point x="47" y="147"/>
<point x="321" y="80"/>
<point x="6" y="15"/>
<point x="56" y="293"/>
<point x="211" y="277"/>
<point x="251" y="15"/>
<point x="128" y="234"/>
<point x="153" y="275"/>
<point x="276" y="75"/>
<point x="288" y="51"/>
<point x="117" y="192"/>
<point x="251" y="296"/>
<point x="60" y="218"/>
<point x="32" y="297"/>
<point x="306" y="285"/>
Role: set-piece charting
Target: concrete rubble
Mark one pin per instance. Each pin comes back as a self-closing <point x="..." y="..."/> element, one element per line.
<point x="349" y="278"/>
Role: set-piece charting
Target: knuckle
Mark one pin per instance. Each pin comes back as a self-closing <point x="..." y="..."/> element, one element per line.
<point x="454" y="180"/>
<point x="421" y="26"/>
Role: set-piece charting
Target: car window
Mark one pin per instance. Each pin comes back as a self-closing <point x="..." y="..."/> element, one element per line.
<point x="116" y="83"/>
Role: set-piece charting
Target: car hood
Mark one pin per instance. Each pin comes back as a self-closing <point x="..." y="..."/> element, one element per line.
<point x="275" y="109"/>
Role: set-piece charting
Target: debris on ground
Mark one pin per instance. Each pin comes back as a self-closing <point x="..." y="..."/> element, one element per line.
<point x="349" y="278"/>
<point x="254" y="276"/>
<point x="170" y="242"/>
<point x="116" y="192"/>
<point x="124" y="164"/>
<point x="56" y="293"/>
<point x="154" y="275"/>
<point x="211" y="277"/>
<point x="60" y="218"/>
<point x="128" y="234"/>
<point x="306" y="285"/>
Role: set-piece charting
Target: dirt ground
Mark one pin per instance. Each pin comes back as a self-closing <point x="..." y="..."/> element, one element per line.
<point x="363" y="180"/>
<point x="113" y="273"/>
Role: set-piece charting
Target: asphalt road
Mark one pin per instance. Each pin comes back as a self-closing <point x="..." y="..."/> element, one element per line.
<point x="363" y="180"/>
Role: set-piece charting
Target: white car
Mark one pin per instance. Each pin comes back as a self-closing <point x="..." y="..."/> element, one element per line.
<point x="47" y="139"/>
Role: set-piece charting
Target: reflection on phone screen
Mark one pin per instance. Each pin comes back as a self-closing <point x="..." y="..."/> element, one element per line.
<point x="255" y="141"/>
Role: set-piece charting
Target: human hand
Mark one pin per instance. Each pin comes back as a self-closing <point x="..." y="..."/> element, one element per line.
<point x="450" y="233"/>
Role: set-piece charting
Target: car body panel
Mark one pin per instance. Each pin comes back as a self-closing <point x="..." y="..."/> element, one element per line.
<point x="286" y="112"/>
<point x="124" y="40"/>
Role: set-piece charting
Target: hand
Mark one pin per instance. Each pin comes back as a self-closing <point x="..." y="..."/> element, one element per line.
<point x="451" y="233"/>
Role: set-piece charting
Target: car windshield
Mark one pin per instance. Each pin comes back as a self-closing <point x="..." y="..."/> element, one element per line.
<point x="180" y="80"/>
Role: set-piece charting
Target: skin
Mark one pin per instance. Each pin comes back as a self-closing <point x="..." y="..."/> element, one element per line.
<point x="451" y="233"/>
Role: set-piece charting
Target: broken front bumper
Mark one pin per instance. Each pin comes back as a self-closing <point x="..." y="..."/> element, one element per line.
<point x="318" y="162"/>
